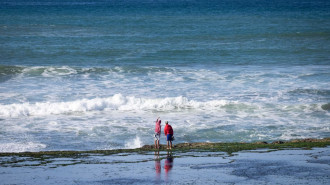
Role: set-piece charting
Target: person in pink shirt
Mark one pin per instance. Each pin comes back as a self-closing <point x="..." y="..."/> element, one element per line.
<point x="157" y="132"/>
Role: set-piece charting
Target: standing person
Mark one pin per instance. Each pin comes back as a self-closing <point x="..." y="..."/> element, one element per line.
<point x="157" y="132"/>
<point x="168" y="131"/>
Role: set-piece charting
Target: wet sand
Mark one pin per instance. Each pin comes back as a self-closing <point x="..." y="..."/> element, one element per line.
<point x="260" y="166"/>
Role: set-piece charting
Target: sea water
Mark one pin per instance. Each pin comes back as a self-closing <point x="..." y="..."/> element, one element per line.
<point x="85" y="75"/>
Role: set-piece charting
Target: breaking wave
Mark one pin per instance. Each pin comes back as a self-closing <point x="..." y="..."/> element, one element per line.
<point x="131" y="103"/>
<point x="116" y="102"/>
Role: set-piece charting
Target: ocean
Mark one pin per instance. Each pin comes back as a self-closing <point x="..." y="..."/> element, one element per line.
<point x="95" y="75"/>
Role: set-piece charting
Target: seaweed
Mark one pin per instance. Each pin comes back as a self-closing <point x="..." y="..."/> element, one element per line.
<point x="85" y="157"/>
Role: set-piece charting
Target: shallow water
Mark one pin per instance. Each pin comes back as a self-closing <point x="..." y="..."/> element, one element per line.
<point x="248" y="167"/>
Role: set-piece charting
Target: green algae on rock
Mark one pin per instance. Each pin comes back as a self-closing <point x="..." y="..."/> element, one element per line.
<point x="183" y="147"/>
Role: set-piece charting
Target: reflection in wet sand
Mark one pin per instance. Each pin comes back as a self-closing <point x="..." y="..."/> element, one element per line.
<point x="158" y="167"/>
<point x="168" y="165"/>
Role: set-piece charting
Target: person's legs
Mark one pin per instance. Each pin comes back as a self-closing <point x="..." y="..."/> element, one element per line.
<point x="157" y="136"/>
<point x="168" y="139"/>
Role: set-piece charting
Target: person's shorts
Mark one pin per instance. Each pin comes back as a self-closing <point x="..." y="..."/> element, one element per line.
<point x="157" y="136"/>
<point x="169" y="137"/>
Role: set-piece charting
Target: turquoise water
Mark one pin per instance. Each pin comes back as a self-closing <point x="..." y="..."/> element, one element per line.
<point x="81" y="75"/>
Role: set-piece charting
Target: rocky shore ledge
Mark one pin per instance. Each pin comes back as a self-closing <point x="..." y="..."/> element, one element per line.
<point x="303" y="161"/>
<point x="185" y="147"/>
<point x="235" y="147"/>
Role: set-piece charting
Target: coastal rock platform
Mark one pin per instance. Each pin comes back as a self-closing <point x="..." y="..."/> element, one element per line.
<point x="292" y="162"/>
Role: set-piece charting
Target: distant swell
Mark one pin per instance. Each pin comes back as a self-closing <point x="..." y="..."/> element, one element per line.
<point x="116" y="102"/>
<point x="56" y="71"/>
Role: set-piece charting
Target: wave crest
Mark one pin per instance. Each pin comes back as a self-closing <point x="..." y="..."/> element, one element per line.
<point x="116" y="102"/>
<point x="131" y="103"/>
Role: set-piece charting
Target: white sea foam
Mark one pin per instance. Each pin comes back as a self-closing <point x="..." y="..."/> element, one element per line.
<point x="116" y="102"/>
<point x="21" y="147"/>
<point x="131" y="103"/>
<point x="135" y="143"/>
